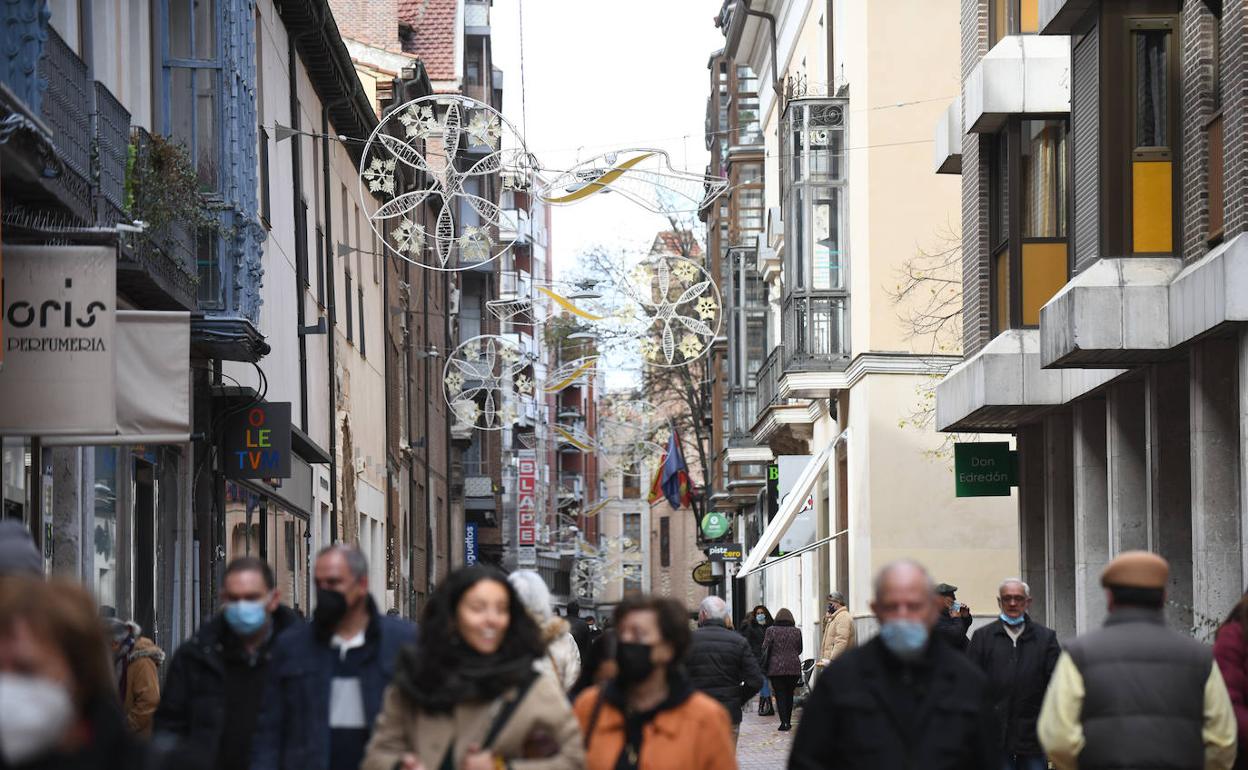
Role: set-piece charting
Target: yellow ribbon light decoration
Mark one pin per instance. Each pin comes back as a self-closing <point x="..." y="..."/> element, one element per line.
<point x="599" y="184"/>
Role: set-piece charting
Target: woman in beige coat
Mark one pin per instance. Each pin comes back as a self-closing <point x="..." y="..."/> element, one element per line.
<point x="468" y="697"/>
<point x="562" y="657"/>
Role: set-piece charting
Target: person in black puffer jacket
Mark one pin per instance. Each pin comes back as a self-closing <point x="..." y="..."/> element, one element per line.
<point x="754" y="629"/>
<point x="721" y="663"/>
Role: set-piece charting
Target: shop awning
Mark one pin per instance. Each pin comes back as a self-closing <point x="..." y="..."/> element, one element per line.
<point x="789" y="509"/>
<point x="153" y="379"/>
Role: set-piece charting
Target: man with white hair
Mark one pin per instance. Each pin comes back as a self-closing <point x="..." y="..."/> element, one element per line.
<point x="720" y="662"/>
<point x="1018" y="655"/>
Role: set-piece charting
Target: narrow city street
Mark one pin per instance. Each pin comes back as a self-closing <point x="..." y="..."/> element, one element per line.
<point x="761" y="746"/>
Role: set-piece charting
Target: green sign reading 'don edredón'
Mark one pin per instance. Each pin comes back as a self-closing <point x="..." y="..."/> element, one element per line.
<point x="984" y="469"/>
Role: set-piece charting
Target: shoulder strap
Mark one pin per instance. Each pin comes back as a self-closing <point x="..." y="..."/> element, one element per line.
<point x="593" y="717"/>
<point x="504" y="713"/>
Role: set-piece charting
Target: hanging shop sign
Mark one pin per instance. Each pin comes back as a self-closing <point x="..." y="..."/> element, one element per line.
<point x="703" y="575"/>
<point x="59" y="312"/>
<point x="470" y="543"/>
<point x="526" y="509"/>
<point x="984" y="468"/>
<point x="729" y="552"/>
<point x="257" y="442"/>
<point x="714" y="525"/>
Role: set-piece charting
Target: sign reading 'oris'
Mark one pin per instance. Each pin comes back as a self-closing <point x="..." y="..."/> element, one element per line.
<point x="257" y="442"/>
<point x="58" y="319"/>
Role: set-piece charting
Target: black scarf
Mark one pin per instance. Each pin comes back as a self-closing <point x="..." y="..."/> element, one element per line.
<point x="440" y="685"/>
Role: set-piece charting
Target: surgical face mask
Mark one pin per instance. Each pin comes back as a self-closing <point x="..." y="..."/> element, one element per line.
<point x="245" y="618"/>
<point x="633" y="660"/>
<point x="761" y="618"/>
<point x="1009" y="621"/>
<point x="956" y="606"/>
<point x="904" y="638"/>
<point x="37" y="712"/>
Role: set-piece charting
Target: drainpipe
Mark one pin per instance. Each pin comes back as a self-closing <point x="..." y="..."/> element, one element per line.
<point x="771" y="21"/>
<point x="331" y="308"/>
<point x="301" y="264"/>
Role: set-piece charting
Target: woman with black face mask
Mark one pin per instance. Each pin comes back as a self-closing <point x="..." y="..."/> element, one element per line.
<point x="648" y="717"/>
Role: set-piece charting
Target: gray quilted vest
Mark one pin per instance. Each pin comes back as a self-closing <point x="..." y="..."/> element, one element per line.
<point x="1144" y="694"/>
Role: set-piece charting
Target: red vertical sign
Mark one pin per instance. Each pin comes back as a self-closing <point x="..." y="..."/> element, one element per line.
<point x="526" y="509"/>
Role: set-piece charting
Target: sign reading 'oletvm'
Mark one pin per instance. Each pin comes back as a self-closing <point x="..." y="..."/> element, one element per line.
<point x="257" y="442"/>
<point x="984" y="469"/>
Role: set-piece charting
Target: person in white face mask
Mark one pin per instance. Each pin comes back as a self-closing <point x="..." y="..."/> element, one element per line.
<point x="58" y="704"/>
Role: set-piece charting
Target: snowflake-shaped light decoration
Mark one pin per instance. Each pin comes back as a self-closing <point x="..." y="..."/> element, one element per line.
<point x="482" y="372"/>
<point x="380" y="175"/>
<point x="669" y="313"/>
<point x="447" y="140"/>
<point x="625" y="430"/>
<point x="525" y="385"/>
<point x="409" y="238"/>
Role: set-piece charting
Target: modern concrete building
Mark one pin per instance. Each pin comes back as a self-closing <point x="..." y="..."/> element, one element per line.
<point x="843" y="375"/>
<point x="1103" y="229"/>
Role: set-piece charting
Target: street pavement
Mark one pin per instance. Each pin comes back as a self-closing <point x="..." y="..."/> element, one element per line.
<point x="762" y="746"/>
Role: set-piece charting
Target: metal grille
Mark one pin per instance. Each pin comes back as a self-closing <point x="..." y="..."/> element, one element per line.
<point x="769" y="379"/>
<point x="112" y="137"/>
<point x="67" y="108"/>
<point x="814" y="332"/>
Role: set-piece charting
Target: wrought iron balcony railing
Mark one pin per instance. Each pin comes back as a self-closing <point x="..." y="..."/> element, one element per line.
<point x="66" y="110"/>
<point x="769" y="381"/>
<point x="112" y="149"/>
<point x="815" y="332"/>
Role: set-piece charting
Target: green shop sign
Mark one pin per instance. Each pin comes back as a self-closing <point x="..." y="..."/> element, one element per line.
<point x="714" y="525"/>
<point x="984" y="469"/>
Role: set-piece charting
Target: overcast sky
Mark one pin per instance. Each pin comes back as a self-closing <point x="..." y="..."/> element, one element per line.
<point x="602" y="76"/>
<point x="605" y="75"/>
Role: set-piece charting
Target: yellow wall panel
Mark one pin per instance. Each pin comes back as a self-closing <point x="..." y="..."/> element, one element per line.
<point x="1029" y="16"/>
<point x="1044" y="273"/>
<point x="1152" y="210"/>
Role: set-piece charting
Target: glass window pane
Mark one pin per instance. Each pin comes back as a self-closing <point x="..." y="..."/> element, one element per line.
<point x="1044" y="179"/>
<point x="1000" y="21"/>
<point x="1151" y="88"/>
<point x="205" y="29"/>
<point x="105" y="535"/>
<point x="828" y="271"/>
<point x="182" y="108"/>
<point x="208" y="268"/>
<point x="998" y="190"/>
<point x="1001" y="289"/>
<point x="206" y="150"/>
<point x="180" y="28"/>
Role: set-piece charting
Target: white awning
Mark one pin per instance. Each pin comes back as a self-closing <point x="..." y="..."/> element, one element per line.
<point x="153" y="381"/>
<point x="792" y="505"/>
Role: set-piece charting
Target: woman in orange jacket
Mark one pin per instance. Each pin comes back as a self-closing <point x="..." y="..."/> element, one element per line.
<point x="648" y="717"/>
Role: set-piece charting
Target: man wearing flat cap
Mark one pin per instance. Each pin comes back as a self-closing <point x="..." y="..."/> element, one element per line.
<point x="955" y="617"/>
<point x="1135" y="694"/>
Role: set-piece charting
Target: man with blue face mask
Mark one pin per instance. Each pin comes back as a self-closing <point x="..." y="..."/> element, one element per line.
<point x="213" y="693"/>
<point x="1018" y="655"/>
<point x="901" y="699"/>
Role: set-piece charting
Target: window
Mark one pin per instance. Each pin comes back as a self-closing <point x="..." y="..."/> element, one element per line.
<point x="301" y="245"/>
<point x="1152" y="120"/>
<point x="1012" y="17"/>
<point x="472" y="69"/>
<point x="363" y="324"/>
<point x="348" y="304"/>
<point x="266" y="206"/>
<point x="191" y="83"/>
<point x="1028" y="213"/>
<point x="320" y="265"/>
<point x="665" y="541"/>
<point x="208" y="269"/>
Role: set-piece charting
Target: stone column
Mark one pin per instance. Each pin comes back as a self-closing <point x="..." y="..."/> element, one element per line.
<point x="1091" y="513"/>
<point x="1126" y="452"/>
<point x="1169" y="483"/>
<point x="67" y="544"/>
<point x="1031" y="525"/>
<point x="1059" y="524"/>
<point x="1217" y="560"/>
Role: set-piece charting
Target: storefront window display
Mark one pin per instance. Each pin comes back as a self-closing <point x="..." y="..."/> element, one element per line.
<point x="259" y="524"/>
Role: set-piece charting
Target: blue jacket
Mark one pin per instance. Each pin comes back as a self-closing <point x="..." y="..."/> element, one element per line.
<point x="293" y="730"/>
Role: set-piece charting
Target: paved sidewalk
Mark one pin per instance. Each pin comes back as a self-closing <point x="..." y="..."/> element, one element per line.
<point x="762" y="746"/>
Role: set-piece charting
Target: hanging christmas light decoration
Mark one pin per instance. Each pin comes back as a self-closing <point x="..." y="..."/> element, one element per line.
<point x="644" y="176"/>
<point x="676" y="310"/>
<point x="484" y="382"/>
<point x="438" y="149"/>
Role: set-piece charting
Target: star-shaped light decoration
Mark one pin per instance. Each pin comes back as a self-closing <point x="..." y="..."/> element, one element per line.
<point x="685" y="271"/>
<point x="380" y="175"/>
<point x="466" y="411"/>
<point x="409" y="239"/>
<point x="707" y="307"/>
<point x="483" y="371"/>
<point x="524" y="385"/>
<point x="484" y="128"/>
<point x="690" y="346"/>
<point x="454" y="381"/>
<point x="649" y="349"/>
<point x="668" y="309"/>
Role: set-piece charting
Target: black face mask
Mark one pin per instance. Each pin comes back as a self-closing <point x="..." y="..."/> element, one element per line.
<point x="831" y="609"/>
<point x="331" y="606"/>
<point x="633" y="660"/>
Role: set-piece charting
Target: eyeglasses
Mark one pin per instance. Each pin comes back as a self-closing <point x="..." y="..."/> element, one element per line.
<point x="1012" y="599"/>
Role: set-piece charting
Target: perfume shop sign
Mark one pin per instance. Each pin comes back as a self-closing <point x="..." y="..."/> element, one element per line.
<point x="59" y="313"/>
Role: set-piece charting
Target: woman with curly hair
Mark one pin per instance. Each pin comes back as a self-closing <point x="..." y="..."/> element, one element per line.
<point x="468" y="697"/>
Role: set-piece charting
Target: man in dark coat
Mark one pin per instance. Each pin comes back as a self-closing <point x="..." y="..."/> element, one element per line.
<point x="215" y="683"/>
<point x="720" y="662"/>
<point x="326" y="679"/>
<point x="902" y="700"/>
<point x="955" y="617"/>
<point x="578" y="628"/>
<point x="1136" y="694"/>
<point x="1018" y="655"/>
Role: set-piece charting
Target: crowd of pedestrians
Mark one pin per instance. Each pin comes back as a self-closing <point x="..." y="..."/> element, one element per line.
<point x="495" y="679"/>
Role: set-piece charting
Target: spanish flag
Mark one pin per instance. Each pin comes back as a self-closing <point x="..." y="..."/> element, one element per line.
<point x="672" y="478"/>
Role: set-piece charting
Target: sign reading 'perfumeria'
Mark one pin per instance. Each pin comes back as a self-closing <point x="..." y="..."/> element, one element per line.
<point x="257" y="442"/>
<point x="526" y="509"/>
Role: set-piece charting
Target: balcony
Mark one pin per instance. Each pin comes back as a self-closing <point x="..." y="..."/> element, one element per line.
<point x="1061" y="17"/>
<point x="477" y="17"/>
<point x="571" y="488"/>
<point x="158" y="269"/>
<point x="1021" y="75"/>
<point x="947" y="156"/>
<point x="514" y="226"/>
<point x="514" y="284"/>
<point x="781" y="424"/>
